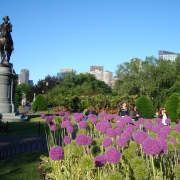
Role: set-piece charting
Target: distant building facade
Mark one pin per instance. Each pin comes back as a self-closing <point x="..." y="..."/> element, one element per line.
<point x="167" y="55"/>
<point x="101" y="74"/>
<point x="64" y="72"/>
<point x="23" y="77"/>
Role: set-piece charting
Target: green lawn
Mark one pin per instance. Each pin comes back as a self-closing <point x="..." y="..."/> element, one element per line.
<point x="21" y="167"/>
<point x="33" y="127"/>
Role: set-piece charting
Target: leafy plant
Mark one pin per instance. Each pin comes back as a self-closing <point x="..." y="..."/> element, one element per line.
<point x="39" y="103"/>
<point x="145" y="107"/>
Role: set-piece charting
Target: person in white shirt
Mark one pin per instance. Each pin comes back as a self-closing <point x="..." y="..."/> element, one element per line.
<point x="163" y="115"/>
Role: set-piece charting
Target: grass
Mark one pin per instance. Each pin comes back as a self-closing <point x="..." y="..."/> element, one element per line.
<point x="29" y="128"/>
<point x="21" y="167"/>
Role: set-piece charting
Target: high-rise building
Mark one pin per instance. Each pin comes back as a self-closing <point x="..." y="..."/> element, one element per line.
<point x="23" y="77"/>
<point x="100" y="74"/>
<point x="64" y="72"/>
<point x="93" y="68"/>
<point x="167" y="55"/>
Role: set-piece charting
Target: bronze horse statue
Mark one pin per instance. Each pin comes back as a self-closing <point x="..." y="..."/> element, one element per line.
<point x="6" y="43"/>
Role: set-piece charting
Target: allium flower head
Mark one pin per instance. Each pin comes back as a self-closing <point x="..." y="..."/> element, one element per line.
<point x="109" y="116"/>
<point x="89" y="140"/>
<point x="66" y="118"/>
<point x="127" y="119"/>
<point x="176" y="128"/>
<point x="94" y="120"/>
<point x="164" y="146"/>
<point x="62" y="113"/>
<point x="111" y="132"/>
<point x="67" y="140"/>
<point x="168" y="121"/>
<point x="166" y="129"/>
<point x="43" y="116"/>
<point x="82" y="124"/>
<point x="100" y="160"/>
<point x="75" y="114"/>
<point x="142" y="120"/>
<point x="121" y="142"/>
<point x="137" y="124"/>
<point x="67" y="114"/>
<point x="120" y="124"/>
<point x="53" y="128"/>
<point x="81" y="140"/>
<point x="118" y="131"/>
<point x="140" y="136"/>
<point x="105" y="126"/>
<point x="77" y="119"/>
<point x="107" y="142"/>
<point x="151" y="146"/>
<point x="113" y="155"/>
<point x="126" y="135"/>
<point x="48" y="119"/>
<point x="158" y="120"/>
<point x="148" y="126"/>
<point x="162" y="134"/>
<point x="67" y="123"/>
<point x="70" y="129"/>
<point x="156" y="128"/>
<point x="56" y="153"/>
<point x="161" y="124"/>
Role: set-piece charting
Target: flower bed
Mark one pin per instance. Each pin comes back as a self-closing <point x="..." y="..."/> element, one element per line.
<point x="110" y="147"/>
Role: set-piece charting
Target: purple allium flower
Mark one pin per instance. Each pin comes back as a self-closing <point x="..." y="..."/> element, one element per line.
<point x="166" y="129"/>
<point x="77" y="119"/>
<point x="82" y="124"/>
<point x="126" y="135"/>
<point x="161" y="124"/>
<point x="127" y="119"/>
<point x="81" y="115"/>
<point x="140" y="136"/>
<point x="118" y="131"/>
<point x="121" y="142"/>
<point x="120" y="124"/>
<point x="109" y="116"/>
<point x="67" y="140"/>
<point x="75" y="114"/>
<point x="151" y="146"/>
<point x="162" y="134"/>
<point x="94" y="120"/>
<point x="168" y="121"/>
<point x="158" y="120"/>
<point x="148" y="126"/>
<point x="156" y="128"/>
<point x="113" y="156"/>
<point x="67" y="114"/>
<point x="111" y="132"/>
<point x="164" y="146"/>
<point x="48" y="119"/>
<point x="70" y="129"/>
<point x="176" y="128"/>
<point x="98" y="126"/>
<point x="105" y="126"/>
<point x="142" y="120"/>
<point x="107" y="142"/>
<point x="43" y="116"/>
<point x="67" y="123"/>
<point x="62" y="113"/>
<point x="89" y="140"/>
<point x="53" y="128"/>
<point x="100" y="160"/>
<point x="137" y="124"/>
<point x="66" y="118"/>
<point x="63" y="125"/>
<point x="173" y="141"/>
<point x="56" y="153"/>
<point x="81" y="140"/>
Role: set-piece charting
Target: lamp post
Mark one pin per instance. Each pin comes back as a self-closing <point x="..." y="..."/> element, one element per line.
<point x="47" y="84"/>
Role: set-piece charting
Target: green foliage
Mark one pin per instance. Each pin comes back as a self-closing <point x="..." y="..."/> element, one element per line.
<point x="145" y="107"/>
<point x="18" y="95"/>
<point x="39" y="103"/>
<point x="172" y="106"/>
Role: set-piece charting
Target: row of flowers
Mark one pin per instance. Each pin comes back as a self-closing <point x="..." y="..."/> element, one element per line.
<point x="111" y="147"/>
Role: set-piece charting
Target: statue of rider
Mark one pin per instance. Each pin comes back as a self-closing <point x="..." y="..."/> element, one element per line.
<point x="7" y="34"/>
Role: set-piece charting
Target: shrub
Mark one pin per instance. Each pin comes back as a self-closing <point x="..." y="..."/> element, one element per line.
<point x="172" y="106"/>
<point x="39" y="103"/>
<point x="145" y="107"/>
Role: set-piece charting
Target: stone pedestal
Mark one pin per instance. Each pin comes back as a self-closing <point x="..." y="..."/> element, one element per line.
<point x="7" y="106"/>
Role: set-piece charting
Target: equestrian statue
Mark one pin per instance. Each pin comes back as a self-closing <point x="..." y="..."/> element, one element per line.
<point x="6" y="42"/>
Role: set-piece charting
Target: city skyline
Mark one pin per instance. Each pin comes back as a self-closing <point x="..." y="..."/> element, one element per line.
<point x="78" y="34"/>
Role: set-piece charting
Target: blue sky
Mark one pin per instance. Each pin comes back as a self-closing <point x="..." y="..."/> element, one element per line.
<point x="53" y="34"/>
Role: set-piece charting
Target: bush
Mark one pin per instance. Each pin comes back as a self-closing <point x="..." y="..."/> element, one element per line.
<point x="172" y="106"/>
<point x="39" y="103"/>
<point x="145" y="107"/>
